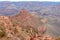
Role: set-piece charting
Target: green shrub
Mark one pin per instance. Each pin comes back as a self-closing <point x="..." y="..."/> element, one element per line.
<point x="2" y="34"/>
<point x="58" y="38"/>
<point x="2" y="31"/>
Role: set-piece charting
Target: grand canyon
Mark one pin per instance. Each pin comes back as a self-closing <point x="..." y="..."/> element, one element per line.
<point x="29" y="21"/>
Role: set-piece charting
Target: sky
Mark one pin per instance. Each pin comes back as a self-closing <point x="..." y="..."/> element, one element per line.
<point x="32" y="0"/>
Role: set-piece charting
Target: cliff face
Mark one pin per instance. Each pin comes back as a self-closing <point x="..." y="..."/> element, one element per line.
<point x="26" y="18"/>
<point x="23" y="25"/>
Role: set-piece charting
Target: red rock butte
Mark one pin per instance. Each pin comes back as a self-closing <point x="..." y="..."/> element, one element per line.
<point x="23" y="11"/>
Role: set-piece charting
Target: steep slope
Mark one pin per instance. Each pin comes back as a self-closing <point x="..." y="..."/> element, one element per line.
<point x="27" y="19"/>
<point x="22" y="26"/>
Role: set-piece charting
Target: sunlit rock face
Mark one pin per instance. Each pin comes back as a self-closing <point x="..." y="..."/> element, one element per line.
<point x="23" y="25"/>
